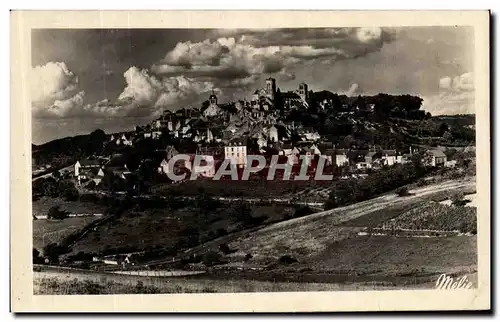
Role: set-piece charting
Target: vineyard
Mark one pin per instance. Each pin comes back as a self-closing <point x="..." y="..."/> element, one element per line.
<point x="435" y="216"/>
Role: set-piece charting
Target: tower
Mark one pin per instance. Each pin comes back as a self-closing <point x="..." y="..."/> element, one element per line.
<point x="213" y="99"/>
<point x="271" y="87"/>
<point x="303" y="92"/>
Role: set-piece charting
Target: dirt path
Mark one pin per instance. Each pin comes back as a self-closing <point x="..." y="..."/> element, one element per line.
<point x="359" y="209"/>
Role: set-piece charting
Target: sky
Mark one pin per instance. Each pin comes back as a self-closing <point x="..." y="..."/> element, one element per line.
<point x="114" y="79"/>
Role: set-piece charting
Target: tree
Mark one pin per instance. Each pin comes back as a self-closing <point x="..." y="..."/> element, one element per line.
<point x="448" y="137"/>
<point x="51" y="252"/>
<point x="67" y="190"/>
<point x="37" y="259"/>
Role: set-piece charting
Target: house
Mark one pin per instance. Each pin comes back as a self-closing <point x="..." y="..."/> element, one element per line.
<point x="371" y="156"/>
<point x="434" y="158"/>
<point x="85" y="165"/>
<point x="120" y="172"/>
<point x="95" y="174"/>
<point x="205" y="168"/>
<point x="288" y="149"/>
<point x="236" y="151"/>
<point x="341" y="158"/>
<point x="125" y="140"/>
<point x="329" y="154"/>
<point x="312" y="150"/>
<point x="389" y="157"/>
<point x="163" y="167"/>
<point x="450" y="164"/>
<point x="213" y="151"/>
<point x="170" y="152"/>
<point x="213" y="108"/>
<point x="363" y="165"/>
<point x="273" y="134"/>
<point x="309" y="134"/>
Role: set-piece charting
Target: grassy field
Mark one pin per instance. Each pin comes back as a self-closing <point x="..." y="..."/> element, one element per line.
<point x="435" y="216"/>
<point x="166" y="228"/>
<point x="101" y="283"/>
<point x="53" y="231"/>
<point x="399" y="255"/>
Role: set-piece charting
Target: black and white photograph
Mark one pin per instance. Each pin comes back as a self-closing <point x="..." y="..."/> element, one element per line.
<point x="243" y="160"/>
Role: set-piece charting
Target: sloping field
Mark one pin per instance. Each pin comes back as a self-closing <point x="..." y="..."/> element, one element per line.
<point x="53" y="231"/>
<point x="309" y="236"/>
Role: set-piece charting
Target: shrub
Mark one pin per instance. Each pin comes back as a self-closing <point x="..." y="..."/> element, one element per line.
<point x="458" y="200"/>
<point x="287" y="260"/>
<point x="403" y="192"/>
<point x="224" y="248"/>
<point x="248" y="257"/>
<point x="37" y="259"/>
<point x="211" y="258"/>
<point x="301" y="211"/>
<point x="56" y="213"/>
<point x="221" y="232"/>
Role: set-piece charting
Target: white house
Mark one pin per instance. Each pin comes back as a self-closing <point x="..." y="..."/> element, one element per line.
<point x="434" y="158"/>
<point x="85" y="165"/>
<point x="389" y="157"/>
<point x="236" y="151"/>
<point x="341" y="158"/>
<point x="273" y="134"/>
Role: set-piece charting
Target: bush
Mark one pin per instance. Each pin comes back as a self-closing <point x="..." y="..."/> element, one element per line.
<point x="56" y="213"/>
<point x="52" y="251"/>
<point x="458" y="200"/>
<point x="287" y="260"/>
<point x="211" y="258"/>
<point x="221" y="232"/>
<point x="37" y="259"/>
<point x="302" y="211"/>
<point x="403" y="192"/>
<point x="224" y="248"/>
<point x="248" y="257"/>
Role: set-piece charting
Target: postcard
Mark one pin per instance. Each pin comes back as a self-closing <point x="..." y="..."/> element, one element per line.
<point x="250" y="161"/>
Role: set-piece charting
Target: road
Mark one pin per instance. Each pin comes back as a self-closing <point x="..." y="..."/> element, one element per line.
<point x="48" y="174"/>
<point x="347" y="213"/>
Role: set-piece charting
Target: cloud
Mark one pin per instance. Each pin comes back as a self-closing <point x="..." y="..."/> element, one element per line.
<point x="52" y="81"/>
<point x="144" y="95"/>
<point x="369" y="34"/>
<point x="456" y="96"/>
<point x="353" y="90"/>
<point x="464" y="82"/>
<point x="240" y="54"/>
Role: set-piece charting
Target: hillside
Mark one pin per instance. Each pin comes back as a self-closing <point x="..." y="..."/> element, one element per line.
<point x="334" y="239"/>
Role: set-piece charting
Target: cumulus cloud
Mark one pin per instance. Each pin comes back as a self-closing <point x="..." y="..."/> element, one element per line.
<point x="456" y="96"/>
<point x="353" y="90"/>
<point x="244" y="53"/>
<point x="52" y="81"/>
<point x="464" y="82"/>
<point x="143" y="95"/>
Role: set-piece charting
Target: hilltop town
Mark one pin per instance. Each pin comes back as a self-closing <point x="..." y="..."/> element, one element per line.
<point x="374" y="147"/>
<point x="353" y="134"/>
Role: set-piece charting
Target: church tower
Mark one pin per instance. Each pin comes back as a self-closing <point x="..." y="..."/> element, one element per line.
<point x="213" y="99"/>
<point x="303" y="92"/>
<point x="271" y="88"/>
